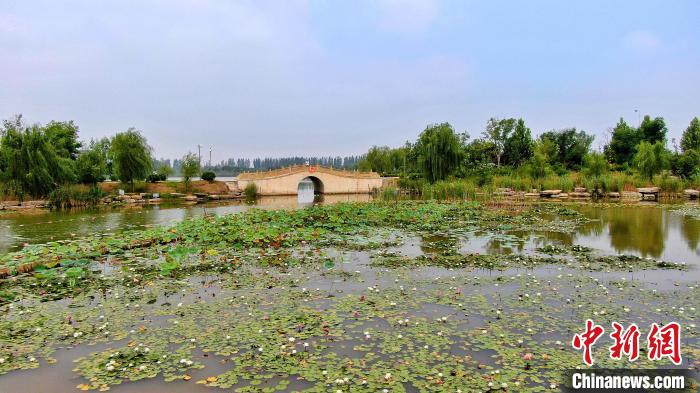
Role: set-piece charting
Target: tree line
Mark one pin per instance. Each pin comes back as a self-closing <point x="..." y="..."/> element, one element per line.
<point x="37" y="159"/>
<point x="507" y="145"/>
<point x="233" y="167"/>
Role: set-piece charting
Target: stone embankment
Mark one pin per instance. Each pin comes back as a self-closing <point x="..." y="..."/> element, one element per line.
<point x="580" y="193"/>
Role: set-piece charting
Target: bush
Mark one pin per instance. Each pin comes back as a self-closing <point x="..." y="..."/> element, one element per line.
<point x="155" y="176"/>
<point x="208" y="176"/>
<point x="251" y="191"/>
<point x="74" y="195"/>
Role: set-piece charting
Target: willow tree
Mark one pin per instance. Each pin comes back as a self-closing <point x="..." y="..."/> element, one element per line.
<point x="131" y="155"/>
<point x="29" y="164"/>
<point x="650" y="159"/>
<point x="595" y="165"/>
<point x="439" y="151"/>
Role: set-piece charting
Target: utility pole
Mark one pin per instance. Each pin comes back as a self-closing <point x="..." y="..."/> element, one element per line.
<point x="210" y="156"/>
<point x="199" y="153"/>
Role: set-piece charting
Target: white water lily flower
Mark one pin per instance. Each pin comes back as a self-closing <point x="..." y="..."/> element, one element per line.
<point x="292" y="339"/>
<point x="387" y="376"/>
<point x="110" y="368"/>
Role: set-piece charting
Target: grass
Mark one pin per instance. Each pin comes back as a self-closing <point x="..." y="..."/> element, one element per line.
<point x="469" y="188"/>
<point x="75" y="195"/>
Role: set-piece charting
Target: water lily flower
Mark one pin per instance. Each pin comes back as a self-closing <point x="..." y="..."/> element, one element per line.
<point x="291" y="339"/>
<point x="387" y="376"/>
<point x="528" y="356"/>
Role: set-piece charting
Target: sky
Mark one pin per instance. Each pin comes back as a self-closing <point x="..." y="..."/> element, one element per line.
<point x="297" y="77"/>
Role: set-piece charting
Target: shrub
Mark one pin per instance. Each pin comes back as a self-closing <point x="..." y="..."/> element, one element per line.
<point x="208" y="176"/>
<point x="155" y="176"/>
<point x="74" y="195"/>
<point x="251" y="191"/>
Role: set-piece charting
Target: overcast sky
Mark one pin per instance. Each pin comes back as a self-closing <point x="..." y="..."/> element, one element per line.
<point x="286" y="77"/>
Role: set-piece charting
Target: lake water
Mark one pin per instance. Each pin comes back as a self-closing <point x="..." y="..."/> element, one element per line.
<point x="644" y="229"/>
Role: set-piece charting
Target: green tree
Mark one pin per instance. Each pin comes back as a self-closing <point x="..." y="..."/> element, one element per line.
<point x="63" y="136"/>
<point x="131" y="155"/>
<point x="498" y="131"/>
<point x="571" y="145"/>
<point x="189" y="167"/>
<point x="518" y="147"/>
<point x="623" y="144"/>
<point x="439" y="151"/>
<point x="538" y="165"/>
<point x="650" y="159"/>
<point x="686" y="164"/>
<point x="654" y="130"/>
<point x="29" y="164"/>
<point x="91" y="165"/>
<point x="164" y="171"/>
<point x="691" y="136"/>
<point x="377" y="159"/>
<point x="595" y="165"/>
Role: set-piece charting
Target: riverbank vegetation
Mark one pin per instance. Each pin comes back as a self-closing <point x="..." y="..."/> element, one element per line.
<point x="507" y="156"/>
<point x="49" y="161"/>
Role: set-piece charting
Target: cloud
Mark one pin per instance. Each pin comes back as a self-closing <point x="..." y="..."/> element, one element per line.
<point x="406" y="15"/>
<point x="641" y="41"/>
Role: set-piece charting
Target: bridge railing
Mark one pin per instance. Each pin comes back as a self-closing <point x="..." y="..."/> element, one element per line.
<point x="300" y="167"/>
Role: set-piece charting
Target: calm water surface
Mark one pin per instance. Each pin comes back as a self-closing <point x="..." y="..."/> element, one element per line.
<point x="44" y="226"/>
<point x="647" y="230"/>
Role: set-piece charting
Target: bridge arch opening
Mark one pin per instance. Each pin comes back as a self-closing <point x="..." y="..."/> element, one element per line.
<point x="311" y="181"/>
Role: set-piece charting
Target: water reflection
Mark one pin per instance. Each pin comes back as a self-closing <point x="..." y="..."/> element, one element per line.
<point x="42" y="226"/>
<point x="647" y="230"/>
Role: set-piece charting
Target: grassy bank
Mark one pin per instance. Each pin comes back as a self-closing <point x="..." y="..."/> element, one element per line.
<point x="469" y="188"/>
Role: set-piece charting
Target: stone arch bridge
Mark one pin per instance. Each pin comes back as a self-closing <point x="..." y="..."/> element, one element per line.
<point x="285" y="181"/>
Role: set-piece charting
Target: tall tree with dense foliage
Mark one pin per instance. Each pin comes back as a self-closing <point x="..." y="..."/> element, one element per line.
<point x="571" y="145"/>
<point x="650" y="159"/>
<point x="29" y="164"/>
<point x="687" y="164"/>
<point x="377" y="159"/>
<point x="63" y="136"/>
<point x="189" y="167"/>
<point x="439" y="151"/>
<point x="623" y="144"/>
<point x="498" y="131"/>
<point x="518" y="147"/>
<point x="691" y="136"/>
<point x="131" y="155"/>
<point x="654" y="130"/>
<point x="91" y="165"/>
